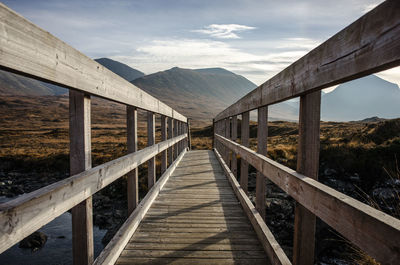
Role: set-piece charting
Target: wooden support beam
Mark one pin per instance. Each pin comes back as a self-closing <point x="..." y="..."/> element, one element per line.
<point x="307" y="164"/>
<point x="213" y="134"/>
<point x="244" y="166"/>
<point x="234" y="138"/>
<point x="170" y="135"/>
<point x="151" y="140"/>
<point x="132" y="181"/>
<point x="227" y="135"/>
<point x="81" y="160"/>
<point x="369" y="45"/>
<point x="189" y="135"/>
<point x="262" y="134"/>
<point x="163" y="138"/>
<point x="175" y="134"/>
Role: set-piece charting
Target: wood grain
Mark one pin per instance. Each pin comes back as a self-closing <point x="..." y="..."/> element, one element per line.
<point x="244" y="166"/>
<point x="373" y="231"/>
<point x="262" y="134"/>
<point x="81" y="160"/>
<point x="132" y="141"/>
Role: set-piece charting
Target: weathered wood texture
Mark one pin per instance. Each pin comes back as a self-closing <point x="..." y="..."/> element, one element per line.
<point x="114" y="248"/>
<point x="375" y="232"/>
<point x="176" y="134"/>
<point x="244" y="166"/>
<point x="227" y="135"/>
<point x="174" y="228"/>
<point x="262" y="134"/>
<point x="151" y="139"/>
<point x="275" y="253"/>
<point x="29" y="212"/>
<point x="81" y="160"/>
<point x="132" y="142"/>
<point x="369" y="45"/>
<point x="234" y="138"/>
<point x="189" y="135"/>
<point x="307" y="164"/>
<point x="29" y="50"/>
<point x="164" y="161"/>
<point x="170" y="135"/>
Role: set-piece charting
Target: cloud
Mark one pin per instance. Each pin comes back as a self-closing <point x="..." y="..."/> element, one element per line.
<point x="223" y="31"/>
<point x="203" y="53"/>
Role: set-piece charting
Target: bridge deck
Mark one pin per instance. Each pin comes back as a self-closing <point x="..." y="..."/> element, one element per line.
<point x="196" y="219"/>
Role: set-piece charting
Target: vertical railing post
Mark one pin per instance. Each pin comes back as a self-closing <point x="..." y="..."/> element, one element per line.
<point x="133" y="187"/>
<point x="80" y="160"/>
<point x="262" y="134"/>
<point x="244" y="166"/>
<point x="307" y="164"/>
<point x="213" y="134"/>
<point x="180" y="127"/>
<point x="170" y="135"/>
<point x="188" y="135"/>
<point x="234" y="137"/>
<point x="163" y="138"/>
<point x="175" y="134"/>
<point x="228" y="136"/>
<point x="151" y="170"/>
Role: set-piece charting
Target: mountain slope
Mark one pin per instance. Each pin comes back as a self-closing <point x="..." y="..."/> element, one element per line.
<point x="200" y="94"/>
<point x="362" y="98"/>
<point x="120" y="69"/>
<point x="13" y="84"/>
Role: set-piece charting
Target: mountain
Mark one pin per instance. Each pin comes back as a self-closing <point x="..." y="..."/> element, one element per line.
<point x="199" y="93"/>
<point x="120" y="69"/>
<point x="362" y="98"/>
<point x="13" y="84"/>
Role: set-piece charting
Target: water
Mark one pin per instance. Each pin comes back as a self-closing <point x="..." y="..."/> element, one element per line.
<point x="57" y="250"/>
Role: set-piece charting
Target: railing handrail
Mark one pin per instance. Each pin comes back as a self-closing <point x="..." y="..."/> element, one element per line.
<point x="369" y="45"/>
<point x="28" y="50"/>
<point x="26" y="214"/>
<point x="373" y="231"/>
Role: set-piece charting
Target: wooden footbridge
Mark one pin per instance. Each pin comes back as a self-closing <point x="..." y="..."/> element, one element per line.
<point x="197" y="212"/>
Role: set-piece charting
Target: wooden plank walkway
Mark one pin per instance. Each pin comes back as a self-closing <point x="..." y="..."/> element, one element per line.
<point x="196" y="219"/>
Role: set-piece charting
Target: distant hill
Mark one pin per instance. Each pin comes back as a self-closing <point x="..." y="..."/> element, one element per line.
<point x="199" y="93"/>
<point x="362" y="98"/>
<point x="13" y="84"/>
<point x="120" y="69"/>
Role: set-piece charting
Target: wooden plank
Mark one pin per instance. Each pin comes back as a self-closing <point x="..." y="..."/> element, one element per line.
<point x="369" y="45"/>
<point x="373" y="231"/>
<point x="268" y="241"/>
<point x="307" y="164"/>
<point x="191" y="261"/>
<point x="112" y="251"/>
<point x="170" y="135"/>
<point x="132" y="180"/>
<point x="31" y="51"/>
<point x="138" y="238"/>
<point x="151" y="140"/>
<point x="262" y="134"/>
<point x="81" y="160"/>
<point x="26" y="214"/>
<point x="246" y="235"/>
<point x="244" y="166"/>
<point x="234" y="138"/>
<point x="193" y="254"/>
<point x="164" y="161"/>
<point x="193" y="247"/>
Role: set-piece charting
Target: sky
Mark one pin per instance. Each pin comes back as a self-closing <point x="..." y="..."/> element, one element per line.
<point x="253" y="38"/>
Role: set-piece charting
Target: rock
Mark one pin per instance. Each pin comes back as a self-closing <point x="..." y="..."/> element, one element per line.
<point x="35" y="241"/>
<point x="330" y="172"/>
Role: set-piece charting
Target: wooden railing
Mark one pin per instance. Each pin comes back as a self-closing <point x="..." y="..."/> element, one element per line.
<point x="369" y="45"/>
<point x="30" y="51"/>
